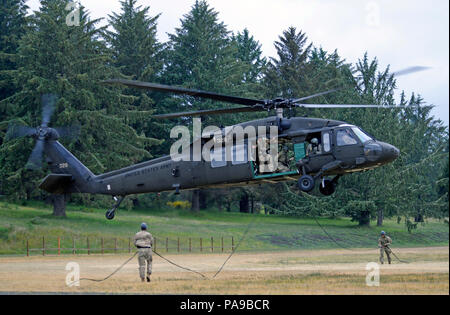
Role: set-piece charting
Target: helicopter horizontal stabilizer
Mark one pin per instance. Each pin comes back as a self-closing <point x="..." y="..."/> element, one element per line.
<point x="56" y="183"/>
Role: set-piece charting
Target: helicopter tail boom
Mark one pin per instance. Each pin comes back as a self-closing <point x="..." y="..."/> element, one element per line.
<point x="69" y="175"/>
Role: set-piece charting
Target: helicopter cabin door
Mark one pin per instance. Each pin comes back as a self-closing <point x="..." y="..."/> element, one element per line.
<point x="285" y="160"/>
<point x="319" y="150"/>
<point x="348" y="148"/>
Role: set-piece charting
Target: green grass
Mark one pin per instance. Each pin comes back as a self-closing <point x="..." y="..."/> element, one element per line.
<point x="34" y="220"/>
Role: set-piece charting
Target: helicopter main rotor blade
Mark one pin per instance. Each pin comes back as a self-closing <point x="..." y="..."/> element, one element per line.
<point x="184" y="91"/>
<point x="337" y="106"/>
<point x="406" y="71"/>
<point x="35" y="160"/>
<point x="48" y="107"/>
<point x="315" y="95"/>
<point x="410" y="70"/>
<point x="353" y="106"/>
<point x="209" y="112"/>
<point x="397" y="74"/>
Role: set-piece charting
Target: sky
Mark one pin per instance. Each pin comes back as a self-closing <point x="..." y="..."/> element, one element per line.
<point x="400" y="33"/>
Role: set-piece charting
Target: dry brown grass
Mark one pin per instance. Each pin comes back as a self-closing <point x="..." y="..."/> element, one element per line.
<point x="293" y="272"/>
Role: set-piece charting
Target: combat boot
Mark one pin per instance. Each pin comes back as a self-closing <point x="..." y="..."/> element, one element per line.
<point x="148" y="279"/>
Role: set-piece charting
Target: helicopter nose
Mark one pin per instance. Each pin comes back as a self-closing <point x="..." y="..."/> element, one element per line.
<point x="390" y="153"/>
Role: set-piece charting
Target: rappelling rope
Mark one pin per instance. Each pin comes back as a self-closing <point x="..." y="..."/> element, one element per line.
<point x="329" y="236"/>
<point x="226" y="261"/>
<point x="237" y="246"/>
<point x="175" y="264"/>
<point x="347" y="248"/>
<point x="402" y="261"/>
<point x="181" y="267"/>
<point x="109" y="276"/>
<point x="128" y="260"/>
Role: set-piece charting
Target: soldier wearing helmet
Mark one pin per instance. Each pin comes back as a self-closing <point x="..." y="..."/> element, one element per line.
<point x="314" y="147"/>
<point x="143" y="240"/>
<point x="383" y="243"/>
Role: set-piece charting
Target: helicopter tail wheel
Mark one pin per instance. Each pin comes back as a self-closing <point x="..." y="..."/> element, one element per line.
<point x="110" y="214"/>
<point x="327" y="187"/>
<point x="306" y="183"/>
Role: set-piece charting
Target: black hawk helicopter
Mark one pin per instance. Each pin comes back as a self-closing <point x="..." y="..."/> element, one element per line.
<point x="312" y="151"/>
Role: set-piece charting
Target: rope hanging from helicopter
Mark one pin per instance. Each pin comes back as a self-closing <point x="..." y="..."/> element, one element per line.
<point x="333" y="239"/>
<point x="177" y="265"/>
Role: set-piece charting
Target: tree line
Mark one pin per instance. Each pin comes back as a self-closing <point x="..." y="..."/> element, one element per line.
<point x="40" y="53"/>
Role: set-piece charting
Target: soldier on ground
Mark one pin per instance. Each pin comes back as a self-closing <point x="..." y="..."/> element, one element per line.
<point x="383" y="243"/>
<point x="143" y="240"/>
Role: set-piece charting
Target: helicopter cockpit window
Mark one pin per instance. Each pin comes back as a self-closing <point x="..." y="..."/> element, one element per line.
<point x="361" y="135"/>
<point x="345" y="137"/>
<point x="218" y="158"/>
<point x="326" y="142"/>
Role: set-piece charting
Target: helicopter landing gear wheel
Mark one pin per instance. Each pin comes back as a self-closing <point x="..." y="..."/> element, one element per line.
<point x="110" y="214"/>
<point x="327" y="187"/>
<point x="306" y="183"/>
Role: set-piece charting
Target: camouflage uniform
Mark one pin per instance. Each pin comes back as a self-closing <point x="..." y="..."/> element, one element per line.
<point x="282" y="162"/>
<point x="384" y="243"/>
<point x="313" y="149"/>
<point x="144" y="242"/>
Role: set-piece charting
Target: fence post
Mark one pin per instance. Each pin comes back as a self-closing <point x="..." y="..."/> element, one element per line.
<point x="59" y="246"/>
<point x="232" y="243"/>
<point x="28" y="249"/>
<point x="43" y="245"/>
<point x="103" y="246"/>
<point x="167" y="244"/>
<point x="212" y="244"/>
<point x="190" y="245"/>
<point x="154" y="243"/>
<point x="129" y="245"/>
<point x="201" y="245"/>
<point x="73" y="246"/>
<point x="222" y="244"/>
<point x="88" y="248"/>
<point x="178" y="244"/>
<point x="115" y="245"/>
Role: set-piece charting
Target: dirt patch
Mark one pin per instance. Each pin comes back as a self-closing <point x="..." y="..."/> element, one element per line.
<point x="288" y="272"/>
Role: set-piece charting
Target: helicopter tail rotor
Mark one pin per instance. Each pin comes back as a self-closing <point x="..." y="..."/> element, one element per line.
<point x="48" y="107"/>
<point x="42" y="133"/>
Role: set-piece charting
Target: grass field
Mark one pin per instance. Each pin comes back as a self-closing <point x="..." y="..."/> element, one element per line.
<point x="267" y="233"/>
<point x="284" y="272"/>
<point x="280" y="255"/>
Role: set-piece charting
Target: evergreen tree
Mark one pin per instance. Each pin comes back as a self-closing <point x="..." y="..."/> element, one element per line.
<point x="13" y="25"/>
<point x="135" y="48"/>
<point x="69" y="61"/>
<point x="287" y="75"/>
<point x="250" y="53"/>
<point x="202" y="56"/>
<point x="137" y="54"/>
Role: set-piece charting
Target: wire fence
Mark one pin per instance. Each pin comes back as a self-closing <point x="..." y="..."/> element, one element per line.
<point x="100" y="245"/>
